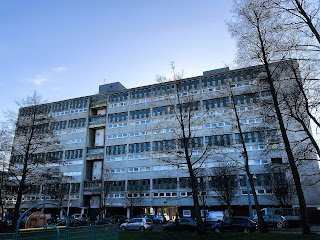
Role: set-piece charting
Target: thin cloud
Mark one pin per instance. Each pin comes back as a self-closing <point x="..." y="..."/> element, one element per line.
<point x="38" y="80"/>
<point x="59" y="69"/>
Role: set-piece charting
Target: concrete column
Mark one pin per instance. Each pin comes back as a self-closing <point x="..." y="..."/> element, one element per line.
<point x="128" y="212"/>
<point x="151" y="211"/>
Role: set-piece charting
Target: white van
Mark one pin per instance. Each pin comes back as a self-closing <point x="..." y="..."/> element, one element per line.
<point x="214" y="216"/>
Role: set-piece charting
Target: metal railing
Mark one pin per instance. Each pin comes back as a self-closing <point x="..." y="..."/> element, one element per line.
<point x="97" y="120"/>
<point x="92" y="187"/>
<point x="95" y="232"/>
<point x="95" y="153"/>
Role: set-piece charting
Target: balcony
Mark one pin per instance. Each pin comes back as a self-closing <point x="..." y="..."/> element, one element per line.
<point x="95" y="153"/>
<point x="97" y="103"/>
<point x="92" y="188"/>
<point x="97" y="121"/>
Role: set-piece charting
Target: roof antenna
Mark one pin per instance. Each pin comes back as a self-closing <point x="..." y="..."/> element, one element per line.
<point x="104" y="81"/>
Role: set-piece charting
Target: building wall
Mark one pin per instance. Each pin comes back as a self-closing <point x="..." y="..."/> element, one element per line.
<point x="115" y="121"/>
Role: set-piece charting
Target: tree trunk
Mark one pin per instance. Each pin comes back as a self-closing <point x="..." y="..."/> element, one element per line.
<point x="262" y="224"/>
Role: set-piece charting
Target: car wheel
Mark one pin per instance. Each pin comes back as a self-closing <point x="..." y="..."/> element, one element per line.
<point x="246" y="230"/>
<point x="123" y="229"/>
<point x="150" y="230"/>
<point x="160" y="222"/>
<point x="142" y="229"/>
<point x="279" y="225"/>
<point x="217" y="230"/>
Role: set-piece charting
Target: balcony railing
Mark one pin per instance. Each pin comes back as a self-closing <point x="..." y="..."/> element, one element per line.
<point x="92" y="188"/>
<point x="95" y="153"/>
<point x="97" y="121"/>
<point x="99" y="103"/>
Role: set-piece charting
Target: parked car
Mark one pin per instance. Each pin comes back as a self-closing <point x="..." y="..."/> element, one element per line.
<point x="183" y="224"/>
<point x="72" y="222"/>
<point x="159" y="219"/>
<point x="119" y="218"/>
<point x="143" y="215"/>
<point x="106" y="221"/>
<point x="235" y="224"/>
<point x="79" y="216"/>
<point x="275" y="220"/>
<point x="140" y="224"/>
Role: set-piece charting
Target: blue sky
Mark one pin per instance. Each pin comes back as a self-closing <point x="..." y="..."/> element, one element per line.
<point x="65" y="49"/>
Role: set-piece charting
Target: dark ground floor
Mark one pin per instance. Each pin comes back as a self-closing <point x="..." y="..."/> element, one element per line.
<point x="168" y="211"/>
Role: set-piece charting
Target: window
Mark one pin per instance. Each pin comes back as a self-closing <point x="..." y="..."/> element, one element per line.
<point x="185" y="182"/>
<point x="186" y="213"/>
<point x="216" y="103"/>
<point x="164" y="183"/>
<point x="188" y="107"/>
<point x="51" y="156"/>
<point x="74" y="154"/>
<point x="118" y="97"/>
<point x="115" y="186"/>
<point x="118" y="125"/>
<point x="161" y="111"/>
<point x="118" y="117"/>
<point x="163" y="145"/>
<point x="58" y="125"/>
<point x="143" y="184"/>
<point x="139" y="147"/>
<point x="60" y="106"/>
<point x="75" y="123"/>
<point x="245" y="99"/>
<point x="250" y="137"/>
<point x="80" y="103"/>
<point x="116" y="150"/>
<point x="140" y="93"/>
<point x="37" y="157"/>
<point x="140" y="114"/>
<point x="276" y="160"/>
<point x="219" y="140"/>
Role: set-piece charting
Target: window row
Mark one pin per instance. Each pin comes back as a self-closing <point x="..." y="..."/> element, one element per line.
<point x="196" y="142"/>
<point x="183" y="86"/>
<point x="49" y="156"/>
<point x="185" y="182"/>
<point x="140" y="114"/>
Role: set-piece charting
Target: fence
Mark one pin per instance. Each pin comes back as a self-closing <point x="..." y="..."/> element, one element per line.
<point x="93" y="232"/>
<point x="295" y="230"/>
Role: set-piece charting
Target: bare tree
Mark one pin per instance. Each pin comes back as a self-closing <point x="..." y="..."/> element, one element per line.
<point x="5" y="141"/>
<point x="262" y="224"/>
<point x="105" y="192"/>
<point x="281" y="184"/>
<point x="224" y="183"/>
<point x="33" y="139"/>
<point x="260" y="31"/>
<point x="178" y="149"/>
<point x="203" y="190"/>
<point x="304" y="17"/>
<point x="134" y="198"/>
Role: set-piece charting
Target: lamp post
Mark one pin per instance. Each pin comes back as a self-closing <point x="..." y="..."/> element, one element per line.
<point x="69" y="199"/>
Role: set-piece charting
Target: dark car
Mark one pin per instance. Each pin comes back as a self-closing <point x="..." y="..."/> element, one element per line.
<point x="106" y="221"/>
<point x="72" y="222"/>
<point x="159" y="219"/>
<point x="235" y="224"/>
<point x="275" y="220"/>
<point x="184" y="224"/>
<point x="119" y="218"/>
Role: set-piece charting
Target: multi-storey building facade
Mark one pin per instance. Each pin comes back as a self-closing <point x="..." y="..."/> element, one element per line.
<point x="110" y="144"/>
